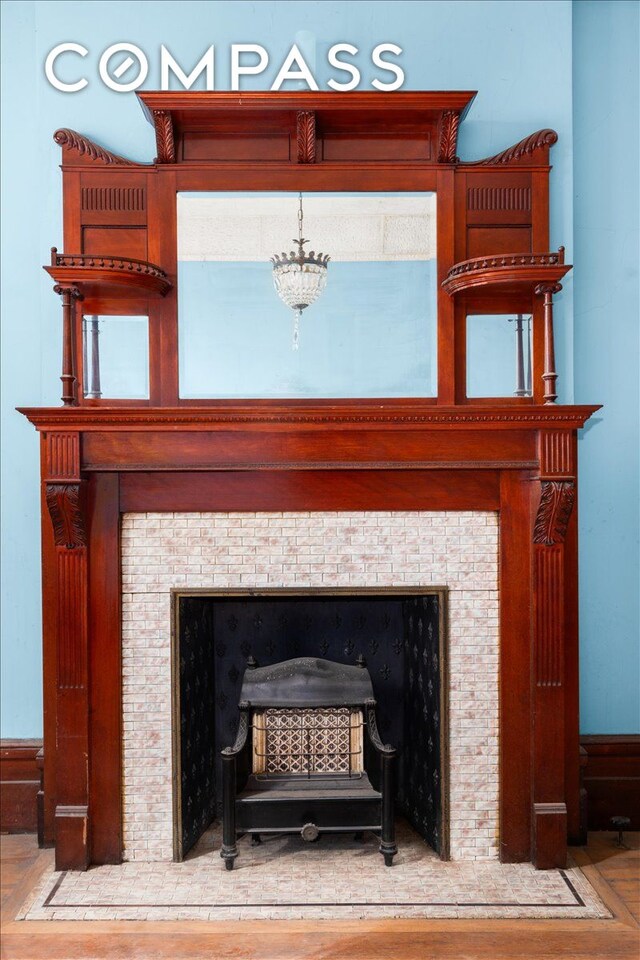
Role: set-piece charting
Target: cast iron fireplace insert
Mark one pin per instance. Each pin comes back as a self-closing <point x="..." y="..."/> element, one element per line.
<point x="306" y="745"/>
<point x="400" y="632"/>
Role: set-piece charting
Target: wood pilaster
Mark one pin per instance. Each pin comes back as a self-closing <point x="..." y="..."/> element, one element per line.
<point x="64" y="495"/>
<point x="557" y="457"/>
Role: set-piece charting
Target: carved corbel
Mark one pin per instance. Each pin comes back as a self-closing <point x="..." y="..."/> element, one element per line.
<point x="165" y="142"/>
<point x="554" y="511"/>
<point x="306" y="136"/>
<point x="64" y="501"/>
<point x="448" y="137"/>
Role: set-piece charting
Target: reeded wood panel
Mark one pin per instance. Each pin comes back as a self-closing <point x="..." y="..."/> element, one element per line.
<point x="63" y="455"/>
<point x="72" y="602"/>
<point x="111" y="199"/>
<point x="499" y="198"/>
<point x="549" y="576"/>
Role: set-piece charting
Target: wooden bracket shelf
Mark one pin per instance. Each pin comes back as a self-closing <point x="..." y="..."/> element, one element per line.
<point x="509" y="273"/>
<point x="116" y="277"/>
<point x="532" y="274"/>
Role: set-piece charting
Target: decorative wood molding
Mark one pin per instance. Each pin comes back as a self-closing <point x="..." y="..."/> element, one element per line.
<point x="84" y="273"/>
<point x="499" y="198"/>
<point x="65" y="509"/>
<point x="612" y="778"/>
<point x="63" y="456"/>
<point x="554" y="511"/>
<point x="104" y="199"/>
<point x="327" y="465"/>
<point x="165" y="143"/>
<point x="306" y="136"/>
<point x="72" y="613"/>
<point x="525" y="148"/>
<point x="549" y="620"/>
<point x="526" y="271"/>
<point x="556" y="453"/>
<point x="399" y="415"/>
<point x="19" y="785"/>
<point x="87" y="148"/>
<point x="448" y="137"/>
<point x="547" y="288"/>
<point x="90" y="260"/>
<point x="68" y="288"/>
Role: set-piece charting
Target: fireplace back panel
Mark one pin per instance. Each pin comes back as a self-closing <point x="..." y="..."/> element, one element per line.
<point x="399" y="636"/>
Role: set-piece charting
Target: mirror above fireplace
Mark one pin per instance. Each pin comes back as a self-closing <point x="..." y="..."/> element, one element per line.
<point x="371" y="333"/>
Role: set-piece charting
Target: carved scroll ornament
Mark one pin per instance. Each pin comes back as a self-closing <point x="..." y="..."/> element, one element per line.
<point x="306" y="136"/>
<point x="65" y="509"/>
<point x="165" y="143"/>
<point x="541" y="138"/>
<point x="554" y="511"/>
<point x="448" y="137"/>
<point x="86" y="147"/>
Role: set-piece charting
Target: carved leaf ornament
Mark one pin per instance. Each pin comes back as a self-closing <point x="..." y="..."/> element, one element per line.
<point x="554" y="510"/>
<point x="63" y="501"/>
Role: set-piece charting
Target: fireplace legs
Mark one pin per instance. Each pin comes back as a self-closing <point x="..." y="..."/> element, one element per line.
<point x="388" y="845"/>
<point x="229" y="850"/>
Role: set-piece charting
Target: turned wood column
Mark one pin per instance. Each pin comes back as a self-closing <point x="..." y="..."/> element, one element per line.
<point x="64" y="496"/>
<point x="550" y="377"/>
<point x="69" y="294"/>
<point x="557" y="456"/>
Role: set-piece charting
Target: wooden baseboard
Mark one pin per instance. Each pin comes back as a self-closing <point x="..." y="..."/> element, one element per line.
<point x="612" y="779"/>
<point x="19" y="785"/>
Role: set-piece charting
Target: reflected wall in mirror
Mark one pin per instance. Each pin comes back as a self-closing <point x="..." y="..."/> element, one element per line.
<point x="371" y="331"/>
<point x="116" y="357"/>
<point x="499" y="355"/>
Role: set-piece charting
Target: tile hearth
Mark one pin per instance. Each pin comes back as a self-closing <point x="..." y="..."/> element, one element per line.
<point x="337" y="878"/>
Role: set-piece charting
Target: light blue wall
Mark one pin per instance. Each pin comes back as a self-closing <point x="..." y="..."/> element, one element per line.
<point x="518" y="55"/>
<point x="606" y="178"/>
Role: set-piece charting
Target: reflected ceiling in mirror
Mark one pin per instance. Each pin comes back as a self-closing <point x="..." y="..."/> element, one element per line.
<point x="371" y="332"/>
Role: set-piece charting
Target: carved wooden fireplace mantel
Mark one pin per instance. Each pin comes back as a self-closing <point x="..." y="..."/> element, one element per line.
<point x="514" y="455"/>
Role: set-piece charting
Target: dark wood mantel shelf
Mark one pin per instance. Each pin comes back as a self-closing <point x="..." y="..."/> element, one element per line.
<point x="514" y="272"/>
<point x="221" y="414"/>
<point x="110" y="276"/>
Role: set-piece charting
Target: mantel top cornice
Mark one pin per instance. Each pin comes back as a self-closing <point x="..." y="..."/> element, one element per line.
<point x="224" y="415"/>
<point x="193" y="104"/>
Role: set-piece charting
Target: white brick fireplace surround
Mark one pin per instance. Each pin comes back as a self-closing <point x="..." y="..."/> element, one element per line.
<point x="163" y="551"/>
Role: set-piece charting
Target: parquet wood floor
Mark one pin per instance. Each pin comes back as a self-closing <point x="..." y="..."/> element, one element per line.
<point x="614" y="872"/>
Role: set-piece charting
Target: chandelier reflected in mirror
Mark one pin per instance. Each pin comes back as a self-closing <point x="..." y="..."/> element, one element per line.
<point x="299" y="278"/>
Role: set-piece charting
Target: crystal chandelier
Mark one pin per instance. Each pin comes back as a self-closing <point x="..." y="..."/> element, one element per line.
<point x="299" y="278"/>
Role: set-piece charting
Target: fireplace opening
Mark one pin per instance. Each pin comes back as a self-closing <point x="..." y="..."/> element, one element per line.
<point x="401" y="635"/>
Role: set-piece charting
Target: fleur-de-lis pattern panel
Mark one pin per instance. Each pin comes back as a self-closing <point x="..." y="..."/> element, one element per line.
<point x="272" y="629"/>
<point x="420" y="768"/>
<point x="198" y="693"/>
